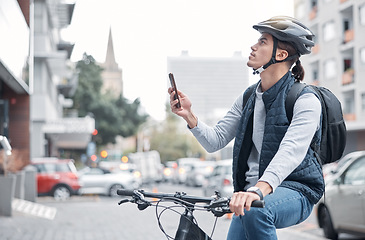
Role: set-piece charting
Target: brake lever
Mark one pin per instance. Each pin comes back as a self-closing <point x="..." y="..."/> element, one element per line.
<point x="138" y="198"/>
<point x="219" y="203"/>
<point x="219" y="206"/>
<point x="123" y="201"/>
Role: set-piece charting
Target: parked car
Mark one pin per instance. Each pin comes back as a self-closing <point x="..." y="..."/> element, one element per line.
<point x="170" y="171"/>
<point x="116" y="166"/>
<point x="220" y="179"/>
<point x="342" y="209"/>
<point x="102" y="181"/>
<point x="184" y="166"/>
<point x="198" y="173"/>
<point x="56" y="177"/>
<point x="332" y="168"/>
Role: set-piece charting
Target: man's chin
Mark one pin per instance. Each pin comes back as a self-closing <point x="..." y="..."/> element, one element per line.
<point x="249" y="64"/>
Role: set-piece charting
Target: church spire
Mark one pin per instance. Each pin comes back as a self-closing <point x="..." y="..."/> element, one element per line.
<point x="110" y="62"/>
<point x="112" y="75"/>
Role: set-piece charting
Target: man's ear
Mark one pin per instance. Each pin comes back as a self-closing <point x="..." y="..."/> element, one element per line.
<point x="281" y="54"/>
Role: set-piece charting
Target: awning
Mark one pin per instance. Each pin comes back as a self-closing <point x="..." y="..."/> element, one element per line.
<point x="70" y="133"/>
<point x="17" y="85"/>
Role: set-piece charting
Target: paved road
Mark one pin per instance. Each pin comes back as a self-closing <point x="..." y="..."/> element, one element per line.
<point x="95" y="217"/>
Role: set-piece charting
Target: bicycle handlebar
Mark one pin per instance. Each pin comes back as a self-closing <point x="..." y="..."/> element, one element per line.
<point x="188" y="227"/>
<point x="212" y="202"/>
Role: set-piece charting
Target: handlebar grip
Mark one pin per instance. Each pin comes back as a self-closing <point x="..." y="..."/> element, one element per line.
<point x="258" y="203"/>
<point x="125" y="192"/>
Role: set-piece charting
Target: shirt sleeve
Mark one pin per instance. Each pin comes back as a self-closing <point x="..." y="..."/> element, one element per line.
<point x="217" y="137"/>
<point x="295" y="144"/>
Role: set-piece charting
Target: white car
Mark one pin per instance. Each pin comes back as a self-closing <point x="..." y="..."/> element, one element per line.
<point x="342" y="209"/>
<point x="184" y="166"/>
<point x="199" y="172"/>
<point x="220" y="180"/>
<point x="102" y="181"/>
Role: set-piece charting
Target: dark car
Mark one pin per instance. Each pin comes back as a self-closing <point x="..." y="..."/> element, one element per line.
<point x="56" y="177"/>
<point x="342" y="209"/>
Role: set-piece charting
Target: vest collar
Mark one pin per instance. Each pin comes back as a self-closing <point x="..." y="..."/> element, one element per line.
<point x="270" y="95"/>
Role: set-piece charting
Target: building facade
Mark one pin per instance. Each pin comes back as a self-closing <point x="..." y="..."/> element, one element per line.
<point x="14" y="90"/>
<point x="53" y="81"/>
<point x="212" y="84"/>
<point x="338" y="57"/>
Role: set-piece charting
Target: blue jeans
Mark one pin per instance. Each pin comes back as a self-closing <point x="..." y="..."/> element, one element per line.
<point x="283" y="208"/>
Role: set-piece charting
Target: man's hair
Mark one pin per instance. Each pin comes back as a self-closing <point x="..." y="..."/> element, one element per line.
<point x="297" y="70"/>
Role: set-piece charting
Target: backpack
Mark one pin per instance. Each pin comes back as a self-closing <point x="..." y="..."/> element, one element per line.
<point x="333" y="138"/>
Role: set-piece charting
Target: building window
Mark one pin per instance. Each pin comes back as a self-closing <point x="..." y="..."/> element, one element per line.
<point x="328" y="31"/>
<point x="300" y="11"/>
<point x="346" y="25"/>
<point x="362" y="55"/>
<point x="347" y="64"/>
<point x="348" y="107"/>
<point x="362" y="14"/>
<point x="363" y="102"/>
<point x="315" y="75"/>
<point x="330" y="68"/>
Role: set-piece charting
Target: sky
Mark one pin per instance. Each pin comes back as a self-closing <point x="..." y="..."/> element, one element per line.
<point x="146" y="32"/>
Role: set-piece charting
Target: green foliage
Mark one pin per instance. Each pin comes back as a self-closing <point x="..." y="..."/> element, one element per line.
<point x="173" y="142"/>
<point x="113" y="116"/>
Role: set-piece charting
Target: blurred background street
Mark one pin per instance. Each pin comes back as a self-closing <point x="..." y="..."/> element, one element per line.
<point x="84" y="110"/>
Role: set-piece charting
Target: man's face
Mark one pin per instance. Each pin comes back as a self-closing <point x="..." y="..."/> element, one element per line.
<point x="261" y="51"/>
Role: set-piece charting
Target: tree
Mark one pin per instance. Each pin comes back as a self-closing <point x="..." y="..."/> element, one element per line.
<point x="113" y="116"/>
<point x="172" y="142"/>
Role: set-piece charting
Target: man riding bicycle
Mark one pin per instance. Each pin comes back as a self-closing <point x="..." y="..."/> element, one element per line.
<point x="272" y="157"/>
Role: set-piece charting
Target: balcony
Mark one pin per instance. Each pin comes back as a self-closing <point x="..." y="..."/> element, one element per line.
<point x="313" y="13"/>
<point x="315" y="49"/>
<point x="315" y="83"/>
<point x="349" y="35"/>
<point x="349" y="117"/>
<point x="348" y="76"/>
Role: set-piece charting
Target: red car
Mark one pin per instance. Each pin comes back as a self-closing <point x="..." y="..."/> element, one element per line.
<point x="56" y="177"/>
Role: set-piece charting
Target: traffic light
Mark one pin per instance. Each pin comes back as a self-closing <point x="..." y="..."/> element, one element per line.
<point x="95" y="132"/>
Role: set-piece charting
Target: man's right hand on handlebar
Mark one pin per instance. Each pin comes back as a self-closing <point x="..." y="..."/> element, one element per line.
<point x="242" y="200"/>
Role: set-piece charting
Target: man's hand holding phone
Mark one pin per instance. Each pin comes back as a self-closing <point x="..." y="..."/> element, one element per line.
<point x="180" y="104"/>
<point x="174" y="88"/>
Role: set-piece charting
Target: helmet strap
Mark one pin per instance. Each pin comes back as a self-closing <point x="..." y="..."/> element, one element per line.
<point x="273" y="58"/>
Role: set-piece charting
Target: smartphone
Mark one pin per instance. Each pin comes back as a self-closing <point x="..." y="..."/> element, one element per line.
<point x="173" y="85"/>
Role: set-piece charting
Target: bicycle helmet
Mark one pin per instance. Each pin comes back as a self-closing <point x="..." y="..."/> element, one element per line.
<point x="286" y="29"/>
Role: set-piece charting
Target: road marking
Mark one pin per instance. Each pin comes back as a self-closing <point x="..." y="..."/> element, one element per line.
<point x="34" y="209"/>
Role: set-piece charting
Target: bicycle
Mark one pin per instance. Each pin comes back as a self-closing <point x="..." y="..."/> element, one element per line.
<point x="188" y="228"/>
